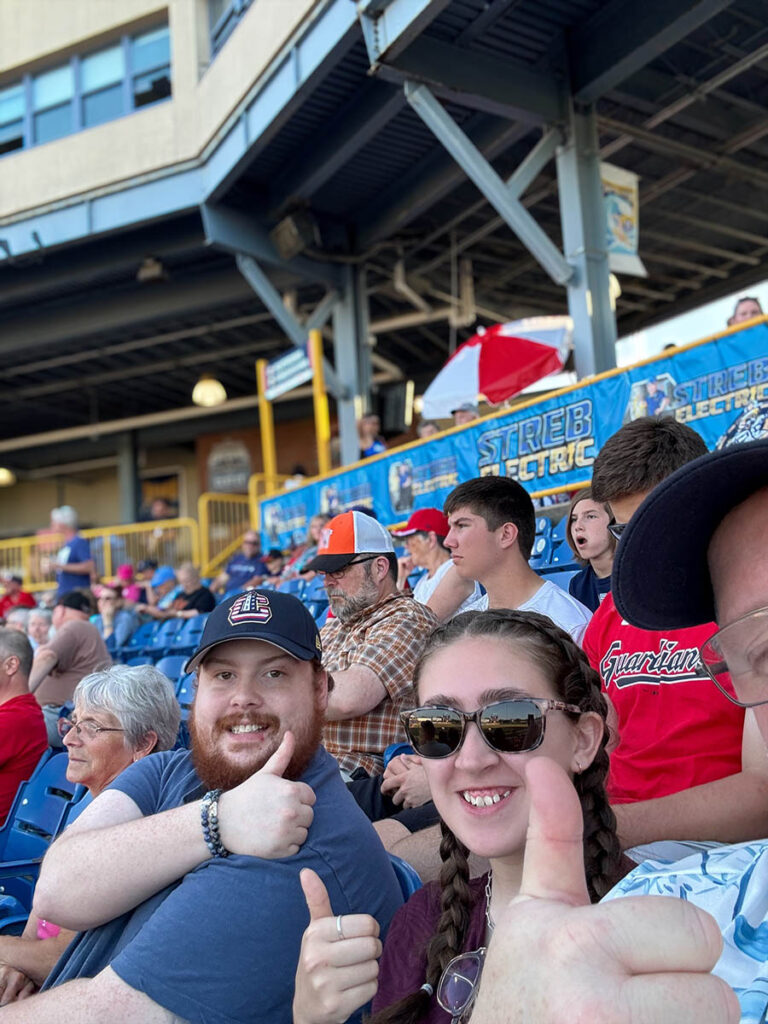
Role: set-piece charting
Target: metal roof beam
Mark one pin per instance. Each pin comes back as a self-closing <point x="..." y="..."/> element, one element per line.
<point x="390" y="25"/>
<point x="604" y="52"/>
<point x="482" y="81"/>
<point x="477" y="168"/>
<point x="349" y="131"/>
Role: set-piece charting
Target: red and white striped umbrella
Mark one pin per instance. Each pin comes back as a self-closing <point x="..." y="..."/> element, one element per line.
<point x="499" y="362"/>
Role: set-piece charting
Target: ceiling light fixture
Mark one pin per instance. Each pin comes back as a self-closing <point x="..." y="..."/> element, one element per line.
<point x="208" y="392"/>
<point x="7" y="477"/>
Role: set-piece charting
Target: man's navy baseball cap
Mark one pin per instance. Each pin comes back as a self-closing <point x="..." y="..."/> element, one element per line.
<point x="660" y="574"/>
<point x="278" y="619"/>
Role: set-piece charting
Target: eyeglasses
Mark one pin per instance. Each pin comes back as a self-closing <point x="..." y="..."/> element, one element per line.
<point x="507" y="726"/>
<point x="616" y="529"/>
<point x="338" y="573"/>
<point x="736" y="659"/>
<point x="458" y="983"/>
<point x="91" y="729"/>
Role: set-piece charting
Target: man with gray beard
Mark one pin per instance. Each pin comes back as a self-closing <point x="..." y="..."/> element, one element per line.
<point x="370" y="645"/>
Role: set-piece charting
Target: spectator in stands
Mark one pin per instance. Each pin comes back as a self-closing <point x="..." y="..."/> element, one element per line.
<point x="162" y="541"/>
<point x="245" y="569"/>
<point x="297" y="563"/>
<point x="73" y="564"/>
<point x="427" y="428"/>
<point x="23" y="739"/>
<point x="688" y="765"/>
<point x="275" y="563"/>
<point x="704" y="527"/>
<point x="58" y="666"/>
<point x="14" y="596"/>
<point x="38" y="627"/>
<point x="590" y="539"/>
<point x="115" y="622"/>
<point x="467" y="412"/>
<point x="476" y="771"/>
<point x="121" y="714"/>
<point x="424" y="537"/>
<point x="131" y="590"/>
<point x="161" y="590"/>
<point x="18" y="618"/>
<point x="746" y="308"/>
<point x="371" y="644"/>
<point x="493" y="524"/>
<point x="369" y="434"/>
<point x="193" y="599"/>
<point x="261" y="694"/>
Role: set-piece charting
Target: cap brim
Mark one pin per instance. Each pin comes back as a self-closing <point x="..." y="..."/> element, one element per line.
<point x="293" y="649"/>
<point x="660" y="574"/>
<point x="404" y="533"/>
<point x="328" y="563"/>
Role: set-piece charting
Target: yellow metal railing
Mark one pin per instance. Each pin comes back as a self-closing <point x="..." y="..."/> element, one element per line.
<point x="260" y="486"/>
<point x="223" y="519"/>
<point x="169" y="541"/>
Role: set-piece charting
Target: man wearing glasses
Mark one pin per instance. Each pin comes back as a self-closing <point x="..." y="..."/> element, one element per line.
<point x="687" y="767"/>
<point x="245" y="569"/>
<point x="707" y="525"/>
<point x="370" y="646"/>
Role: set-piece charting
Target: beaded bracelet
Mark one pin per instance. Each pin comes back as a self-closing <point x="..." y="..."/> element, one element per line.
<point x="209" y="819"/>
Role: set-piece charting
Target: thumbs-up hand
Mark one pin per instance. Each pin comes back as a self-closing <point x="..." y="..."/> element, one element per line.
<point x="338" y="963"/>
<point x="267" y="816"/>
<point x="553" y="957"/>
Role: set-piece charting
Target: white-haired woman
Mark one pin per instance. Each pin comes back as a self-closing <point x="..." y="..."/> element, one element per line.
<point x="121" y="714"/>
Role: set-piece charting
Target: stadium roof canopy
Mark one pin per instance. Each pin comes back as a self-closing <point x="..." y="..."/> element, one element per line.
<point x="112" y="305"/>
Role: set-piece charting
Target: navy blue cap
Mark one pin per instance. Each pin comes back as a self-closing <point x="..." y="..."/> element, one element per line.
<point x="660" y="574"/>
<point x="278" y="619"/>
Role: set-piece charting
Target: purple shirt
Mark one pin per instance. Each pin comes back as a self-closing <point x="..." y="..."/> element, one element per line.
<point x="404" y="960"/>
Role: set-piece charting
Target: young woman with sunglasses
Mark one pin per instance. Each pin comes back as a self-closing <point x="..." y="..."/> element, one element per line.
<point x="495" y="689"/>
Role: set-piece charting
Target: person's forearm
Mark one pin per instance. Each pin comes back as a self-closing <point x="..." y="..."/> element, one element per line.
<point x="90" y="877"/>
<point x="34" y="957"/>
<point x="730" y="810"/>
<point x="77" y="567"/>
<point x="355" y="692"/>
<point x="43" y="664"/>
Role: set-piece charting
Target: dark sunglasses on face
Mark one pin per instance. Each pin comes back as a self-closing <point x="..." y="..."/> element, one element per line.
<point x="616" y="529"/>
<point x="507" y="726"/>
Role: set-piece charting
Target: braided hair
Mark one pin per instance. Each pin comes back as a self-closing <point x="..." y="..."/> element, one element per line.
<point x="574" y="682"/>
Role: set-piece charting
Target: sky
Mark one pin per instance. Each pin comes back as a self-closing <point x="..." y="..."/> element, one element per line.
<point x="699" y="323"/>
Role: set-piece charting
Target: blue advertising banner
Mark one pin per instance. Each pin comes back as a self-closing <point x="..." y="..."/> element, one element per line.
<point x="718" y="386"/>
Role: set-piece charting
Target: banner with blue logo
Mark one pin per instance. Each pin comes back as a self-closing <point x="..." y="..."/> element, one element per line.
<point x="718" y="386"/>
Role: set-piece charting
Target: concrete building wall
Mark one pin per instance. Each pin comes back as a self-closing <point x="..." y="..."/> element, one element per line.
<point x="37" y="34"/>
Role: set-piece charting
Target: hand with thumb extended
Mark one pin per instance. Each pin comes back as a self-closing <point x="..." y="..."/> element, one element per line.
<point x="338" y="963"/>
<point x="267" y="815"/>
<point x="646" y="959"/>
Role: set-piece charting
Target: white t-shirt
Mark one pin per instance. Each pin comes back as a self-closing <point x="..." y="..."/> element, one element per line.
<point x="426" y="587"/>
<point x="565" y="611"/>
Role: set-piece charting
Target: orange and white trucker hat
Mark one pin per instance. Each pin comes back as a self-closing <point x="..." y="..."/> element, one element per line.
<point x="345" y="537"/>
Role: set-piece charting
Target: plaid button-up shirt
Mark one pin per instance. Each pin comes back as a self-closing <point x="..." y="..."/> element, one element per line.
<point x="387" y="638"/>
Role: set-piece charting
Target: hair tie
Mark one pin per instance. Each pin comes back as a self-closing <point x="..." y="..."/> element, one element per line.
<point x="426" y="987"/>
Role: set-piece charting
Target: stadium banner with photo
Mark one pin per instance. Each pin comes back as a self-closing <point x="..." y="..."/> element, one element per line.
<point x="719" y="386"/>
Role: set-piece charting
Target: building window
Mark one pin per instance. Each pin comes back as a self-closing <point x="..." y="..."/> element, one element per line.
<point x="86" y="91"/>
<point x="223" y="17"/>
<point x="11" y="118"/>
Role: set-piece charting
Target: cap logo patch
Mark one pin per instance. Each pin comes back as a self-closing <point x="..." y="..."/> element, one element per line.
<point x="325" y="539"/>
<point x="251" y="607"/>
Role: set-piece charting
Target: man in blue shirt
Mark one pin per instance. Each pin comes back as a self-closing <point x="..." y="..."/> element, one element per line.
<point x="246" y="568"/>
<point x="73" y="563"/>
<point x="220" y="946"/>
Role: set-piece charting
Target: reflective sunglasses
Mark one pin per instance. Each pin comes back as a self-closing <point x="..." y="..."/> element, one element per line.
<point x="457" y="987"/>
<point x="616" y="529"/>
<point x="507" y="726"/>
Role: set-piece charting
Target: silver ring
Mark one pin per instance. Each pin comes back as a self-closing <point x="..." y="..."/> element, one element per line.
<point x="339" y="932"/>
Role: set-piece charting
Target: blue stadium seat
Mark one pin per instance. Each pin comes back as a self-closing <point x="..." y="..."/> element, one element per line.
<point x="319" y="613"/>
<point x="314" y="590"/>
<point x="187" y="639"/>
<point x="141" y="659"/>
<point x="562" y="577"/>
<point x="406" y="874"/>
<point x="562" y="556"/>
<point x="293" y="586"/>
<point x="137" y="641"/>
<point x="185" y="693"/>
<point x="172" y="665"/>
<point x="541" y="553"/>
<point x="161" y="640"/>
<point x="543" y="526"/>
<point x="558" y="530"/>
<point x="34" y="819"/>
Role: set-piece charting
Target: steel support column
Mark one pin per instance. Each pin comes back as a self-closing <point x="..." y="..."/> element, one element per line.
<point x="128" y="476"/>
<point x="582" y="215"/>
<point x="352" y="357"/>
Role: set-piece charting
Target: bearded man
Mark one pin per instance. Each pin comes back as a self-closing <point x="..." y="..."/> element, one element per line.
<point x="371" y="645"/>
<point x="183" y="876"/>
